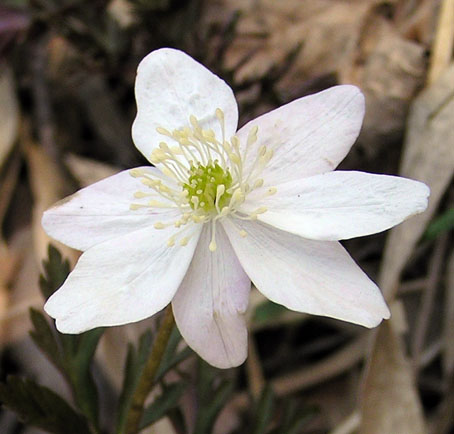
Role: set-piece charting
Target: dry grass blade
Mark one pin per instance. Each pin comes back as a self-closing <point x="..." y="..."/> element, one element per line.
<point x="390" y="403"/>
<point x="427" y="157"/>
<point x="444" y="41"/>
<point x="9" y="113"/>
<point x="448" y="326"/>
<point x="48" y="185"/>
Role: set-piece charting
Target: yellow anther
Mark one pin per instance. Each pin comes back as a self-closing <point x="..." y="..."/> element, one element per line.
<point x="171" y="242"/>
<point x="220" y="114"/>
<point x="135" y="206"/>
<point x="234" y="158"/>
<point x="159" y="225"/>
<point x="272" y="190"/>
<point x="184" y="241"/>
<point x="140" y="194"/>
<point x="136" y="173"/>
<point x="258" y="183"/>
<point x="243" y="233"/>
<point x="163" y="131"/>
<point x="157" y="204"/>
<point x="212" y="246"/>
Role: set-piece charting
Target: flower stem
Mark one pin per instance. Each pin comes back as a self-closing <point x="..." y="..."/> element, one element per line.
<point x="146" y="381"/>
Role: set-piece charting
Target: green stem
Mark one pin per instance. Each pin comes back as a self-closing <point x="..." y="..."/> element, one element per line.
<point x="146" y="381"/>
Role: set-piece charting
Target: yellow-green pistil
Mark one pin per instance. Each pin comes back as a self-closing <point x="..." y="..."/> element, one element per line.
<point x="203" y="187"/>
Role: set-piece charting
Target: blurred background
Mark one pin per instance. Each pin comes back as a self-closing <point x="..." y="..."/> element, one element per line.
<point x="67" y="70"/>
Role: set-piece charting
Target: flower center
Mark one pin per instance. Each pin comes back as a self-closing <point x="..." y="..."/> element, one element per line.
<point x="209" y="181"/>
<point x="208" y="187"/>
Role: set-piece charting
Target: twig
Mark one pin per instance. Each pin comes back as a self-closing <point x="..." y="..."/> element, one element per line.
<point x="427" y="301"/>
<point x="443" y="42"/>
<point x="256" y="380"/>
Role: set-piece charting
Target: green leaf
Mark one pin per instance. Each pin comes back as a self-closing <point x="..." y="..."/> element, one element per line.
<point x="56" y="271"/>
<point x="264" y="411"/>
<point x="45" y="339"/>
<point x="441" y="224"/>
<point x="163" y="404"/>
<point x="211" y="399"/>
<point x="171" y="358"/>
<point x="79" y="369"/>
<point x="41" y="407"/>
<point x="71" y="354"/>
<point x="294" y="418"/>
<point x="267" y="311"/>
<point x="135" y="362"/>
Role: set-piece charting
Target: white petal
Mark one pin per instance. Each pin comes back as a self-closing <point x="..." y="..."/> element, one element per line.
<point x="122" y="280"/>
<point x="317" y="277"/>
<point x="340" y="205"/>
<point x="170" y="87"/>
<point x="210" y="304"/>
<point x="102" y="211"/>
<point x="310" y="135"/>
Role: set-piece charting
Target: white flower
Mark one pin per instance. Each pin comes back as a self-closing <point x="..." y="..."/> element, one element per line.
<point x="224" y="208"/>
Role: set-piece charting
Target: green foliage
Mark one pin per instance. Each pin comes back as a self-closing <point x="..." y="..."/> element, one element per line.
<point x="167" y="401"/>
<point x="441" y="224"/>
<point x="212" y="393"/>
<point x="267" y="311"/>
<point x="135" y="362"/>
<point x="71" y="354"/>
<point x="171" y="357"/>
<point x="264" y="411"/>
<point x="56" y="270"/>
<point x="39" y="406"/>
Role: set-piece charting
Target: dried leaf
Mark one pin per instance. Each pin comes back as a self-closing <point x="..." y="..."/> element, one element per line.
<point x="88" y="171"/>
<point x="48" y="186"/>
<point x="428" y="157"/>
<point x="9" y="113"/>
<point x="390" y="403"/>
<point x="448" y="326"/>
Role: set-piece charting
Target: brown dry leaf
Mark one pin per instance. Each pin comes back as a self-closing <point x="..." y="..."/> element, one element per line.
<point x="15" y="322"/>
<point x="390" y="73"/>
<point x="448" y="326"/>
<point x="390" y="403"/>
<point x="428" y="157"/>
<point x="88" y="171"/>
<point x="268" y="31"/>
<point x="48" y="186"/>
<point x="351" y="40"/>
<point x="9" y="113"/>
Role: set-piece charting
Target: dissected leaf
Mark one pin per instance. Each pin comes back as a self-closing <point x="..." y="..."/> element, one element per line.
<point x="211" y="397"/>
<point x="39" y="406"/>
<point x="56" y="271"/>
<point x="135" y="362"/>
<point x="264" y="412"/>
<point x="44" y="338"/>
<point x="171" y="357"/>
<point x="162" y="404"/>
<point x="71" y="354"/>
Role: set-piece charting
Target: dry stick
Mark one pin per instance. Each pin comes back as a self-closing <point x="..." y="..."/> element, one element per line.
<point x="254" y="370"/>
<point x="146" y="381"/>
<point x="428" y="298"/>
<point x="443" y="43"/>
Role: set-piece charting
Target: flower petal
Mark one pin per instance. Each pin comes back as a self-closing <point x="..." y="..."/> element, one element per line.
<point x="340" y="205"/>
<point x="310" y="135"/>
<point x="170" y="87"/>
<point x="317" y="277"/>
<point x="210" y="304"/>
<point x="122" y="280"/>
<point x="102" y="211"/>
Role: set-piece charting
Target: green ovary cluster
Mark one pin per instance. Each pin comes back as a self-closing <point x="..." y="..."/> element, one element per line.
<point x="203" y="184"/>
